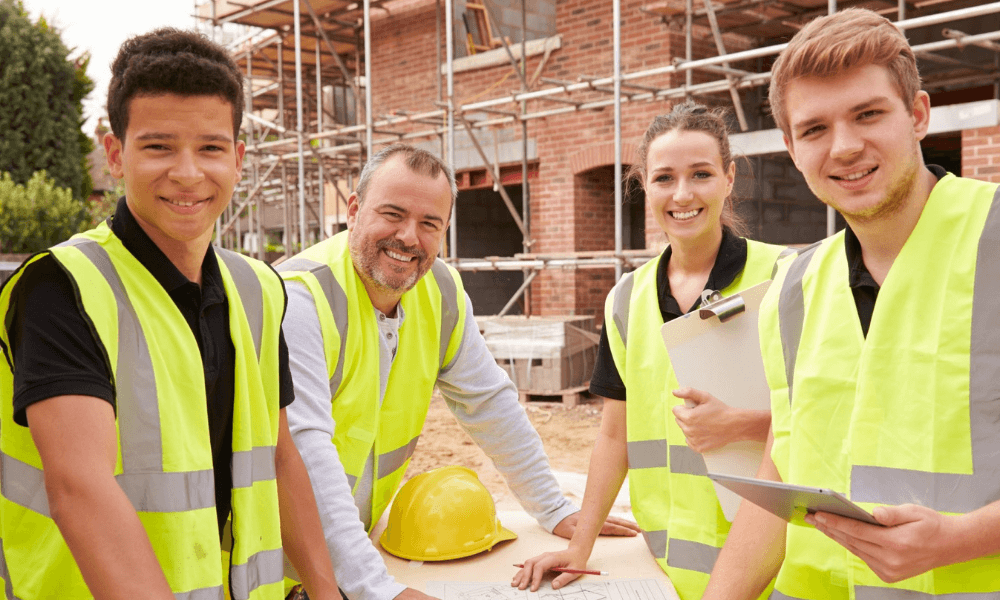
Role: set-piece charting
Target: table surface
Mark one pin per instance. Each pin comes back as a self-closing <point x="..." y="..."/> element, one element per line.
<point x="622" y="557"/>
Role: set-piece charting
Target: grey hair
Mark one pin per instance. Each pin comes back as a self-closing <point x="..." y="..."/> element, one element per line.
<point x="419" y="161"/>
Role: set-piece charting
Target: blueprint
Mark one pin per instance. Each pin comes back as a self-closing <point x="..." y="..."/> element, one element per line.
<point x="613" y="589"/>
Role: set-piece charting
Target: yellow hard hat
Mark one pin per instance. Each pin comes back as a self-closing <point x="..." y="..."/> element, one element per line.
<point x="443" y="514"/>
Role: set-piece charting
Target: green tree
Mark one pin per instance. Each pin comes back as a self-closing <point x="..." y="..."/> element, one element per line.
<point x="37" y="215"/>
<point x="41" y="92"/>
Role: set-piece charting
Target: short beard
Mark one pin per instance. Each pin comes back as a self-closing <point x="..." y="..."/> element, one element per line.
<point x="895" y="198"/>
<point x="366" y="259"/>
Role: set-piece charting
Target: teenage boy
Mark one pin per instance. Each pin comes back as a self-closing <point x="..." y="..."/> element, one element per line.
<point x="146" y="376"/>
<point x="881" y="344"/>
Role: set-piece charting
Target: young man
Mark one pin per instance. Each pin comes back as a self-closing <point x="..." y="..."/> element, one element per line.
<point x="145" y="374"/>
<point x="375" y="322"/>
<point x="881" y="344"/>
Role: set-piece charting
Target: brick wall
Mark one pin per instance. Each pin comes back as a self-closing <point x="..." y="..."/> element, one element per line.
<point x="981" y="154"/>
<point x="572" y="199"/>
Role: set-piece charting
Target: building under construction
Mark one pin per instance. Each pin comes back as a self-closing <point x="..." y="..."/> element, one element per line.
<point x="538" y="105"/>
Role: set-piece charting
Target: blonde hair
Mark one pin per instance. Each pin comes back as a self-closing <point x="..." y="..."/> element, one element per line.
<point x="832" y="44"/>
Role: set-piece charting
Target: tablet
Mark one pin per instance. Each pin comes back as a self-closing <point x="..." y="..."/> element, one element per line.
<point x="792" y="502"/>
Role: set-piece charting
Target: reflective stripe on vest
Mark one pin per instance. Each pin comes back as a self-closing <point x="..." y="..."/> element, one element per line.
<point x="251" y="294"/>
<point x="675" y="504"/>
<point x="623" y="291"/>
<point x="143" y="480"/>
<point x="389" y="461"/>
<point x="793" y="310"/>
<point x="8" y="587"/>
<point x="337" y="300"/>
<point x="264" y="567"/>
<point x="138" y="422"/>
<point x="946" y="492"/>
<point x="863" y="592"/>
<point x="385" y="437"/>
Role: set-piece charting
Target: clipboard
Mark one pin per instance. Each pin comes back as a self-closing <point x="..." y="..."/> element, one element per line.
<point x="717" y="349"/>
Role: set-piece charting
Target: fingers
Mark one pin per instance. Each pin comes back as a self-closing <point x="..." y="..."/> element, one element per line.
<point x="891" y="516"/>
<point x="691" y="395"/>
<point x="532" y="571"/>
<point x="562" y="580"/>
<point x="620" y="527"/>
<point x="845" y="526"/>
<point x="617" y="530"/>
<point x="536" y="576"/>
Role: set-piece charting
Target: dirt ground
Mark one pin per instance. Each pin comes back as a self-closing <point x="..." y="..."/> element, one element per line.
<point x="568" y="435"/>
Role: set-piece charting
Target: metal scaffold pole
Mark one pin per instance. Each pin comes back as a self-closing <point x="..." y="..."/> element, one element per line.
<point x="319" y="158"/>
<point x="831" y="214"/>
<point x="449" y="36"/>
<point x="368" y="80"/>
<point x="617" y="10"/>
<point x="299" y="130"/>
<point x="286" y="204"/>
<point x="525" y="187"/>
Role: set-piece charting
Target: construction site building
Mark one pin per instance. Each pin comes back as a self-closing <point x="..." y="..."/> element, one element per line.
<point x="545" y="223"/>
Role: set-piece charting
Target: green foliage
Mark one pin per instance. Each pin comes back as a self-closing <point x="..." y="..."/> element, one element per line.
<point x="105" y="207"/>
<point x="41" y="92"/>
<point x="38" y="215"/>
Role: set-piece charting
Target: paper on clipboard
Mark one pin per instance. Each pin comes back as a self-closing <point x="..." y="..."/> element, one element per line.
<point x="723" y="359"/>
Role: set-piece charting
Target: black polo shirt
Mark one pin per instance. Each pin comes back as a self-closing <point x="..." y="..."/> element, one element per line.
<point x="606" y="380"/>
<point x="55" y="352"/>
<point x="863" y="285"/>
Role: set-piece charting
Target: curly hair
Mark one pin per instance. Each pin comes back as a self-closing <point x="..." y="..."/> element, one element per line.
<point x="172" y="61"/>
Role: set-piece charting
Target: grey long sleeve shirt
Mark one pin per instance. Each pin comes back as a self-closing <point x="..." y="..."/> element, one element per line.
<point x="476" y="390"/>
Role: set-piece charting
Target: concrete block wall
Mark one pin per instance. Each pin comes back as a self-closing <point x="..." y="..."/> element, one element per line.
<point x="776" y="203"/>
<point x="981" y="154"/>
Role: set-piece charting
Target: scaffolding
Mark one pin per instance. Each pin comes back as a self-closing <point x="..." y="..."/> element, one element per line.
<point x="313" y="55"/>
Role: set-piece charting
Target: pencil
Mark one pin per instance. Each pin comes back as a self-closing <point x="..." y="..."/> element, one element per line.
<point x="573" y="571"/>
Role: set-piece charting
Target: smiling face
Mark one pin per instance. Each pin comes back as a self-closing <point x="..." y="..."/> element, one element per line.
<point x="180" y="164"/>
<point x="856" y="142"/>
<point x="396" y="233"/>
<point x="687" y="185"/>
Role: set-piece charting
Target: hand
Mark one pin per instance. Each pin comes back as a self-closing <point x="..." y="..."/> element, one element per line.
<point x="535" y="568"/>
<point x="914" y="540"/>
<point x="612" y="526"/>
<point x="412" y="594"/>
<point x="709" y="424"/>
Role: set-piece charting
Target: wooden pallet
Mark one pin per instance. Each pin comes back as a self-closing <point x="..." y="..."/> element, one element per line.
<point x="569" y="397"/>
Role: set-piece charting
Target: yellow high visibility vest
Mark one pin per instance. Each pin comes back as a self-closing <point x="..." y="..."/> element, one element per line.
<point x="907" y="414"/>
<point x="672" y="498"/>
<point x="164" y="462"/>
<point x="429" y="338"/>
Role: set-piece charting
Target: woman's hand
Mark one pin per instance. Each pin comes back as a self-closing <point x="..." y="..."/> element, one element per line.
<point x="534" y="568"/>
<point x="709" y="423"/>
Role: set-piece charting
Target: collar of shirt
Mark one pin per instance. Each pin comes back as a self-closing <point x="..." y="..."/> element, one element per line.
<point x="858" y="274"/>
<point x="138" y="243"/>
<point x="729" y="264"/>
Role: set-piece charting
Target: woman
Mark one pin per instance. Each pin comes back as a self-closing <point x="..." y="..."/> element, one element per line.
<point x="687" y="172"/>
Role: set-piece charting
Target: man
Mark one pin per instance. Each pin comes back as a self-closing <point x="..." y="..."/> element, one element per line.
<point x="145" y="380"/>
<point x="880" y="343"/>
<point x="374" y="323"/>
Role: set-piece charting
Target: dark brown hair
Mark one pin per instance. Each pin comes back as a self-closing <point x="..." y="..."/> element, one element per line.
<point x="689" y="116"/>
<point x="172" y="61"/>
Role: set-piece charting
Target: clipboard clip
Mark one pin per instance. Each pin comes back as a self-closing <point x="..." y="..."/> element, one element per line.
<point x="724" y="308"/>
